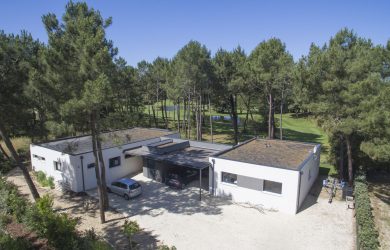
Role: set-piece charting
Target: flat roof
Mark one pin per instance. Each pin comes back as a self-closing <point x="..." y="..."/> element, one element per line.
<point x="83" y="144"/>
<point x="193" y="155"/>
<point x="273" y="153"/>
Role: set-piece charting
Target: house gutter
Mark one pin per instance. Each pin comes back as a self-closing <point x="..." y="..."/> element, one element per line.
<point x="82" y="171"/>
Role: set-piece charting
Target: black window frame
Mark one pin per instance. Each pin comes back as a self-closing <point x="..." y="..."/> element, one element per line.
<point x="56" y="164"/>
<point x="112" y="162"/>
<point x="91" y="165"/>
<point x="273" y="190"/>
<point x="231" y="175"/>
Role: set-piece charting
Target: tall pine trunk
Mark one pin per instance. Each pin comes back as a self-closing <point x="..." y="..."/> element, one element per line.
<point x="19" y="162"/>
<point x="233" y="112"/>
<point x="200" y="117"/>
<point x="166" y="113"/>
<point x="211" y="120"/>
<point x="3" y="152"/>
<point x="281" y="118"/>
<point x="349" y="154"/>
<point x="102" y="165"/>
<point x="154" y="116"/>
<point x="185" y="116"/>
<point x="178" y="114"/>
<point x="97" y="168"/>
<point x="150" y="118"/>
<point x="341" y="160"/>
<point x="271" y="120"/>
<point x="189" y="116"/>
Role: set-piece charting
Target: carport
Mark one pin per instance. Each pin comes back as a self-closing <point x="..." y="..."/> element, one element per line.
<point x="177" y="152"/>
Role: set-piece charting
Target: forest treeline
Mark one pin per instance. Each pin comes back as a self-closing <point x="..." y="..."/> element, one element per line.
<point x="77" y="83"/>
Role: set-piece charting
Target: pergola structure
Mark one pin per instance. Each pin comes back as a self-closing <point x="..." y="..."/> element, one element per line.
<point x="179" y="153"/>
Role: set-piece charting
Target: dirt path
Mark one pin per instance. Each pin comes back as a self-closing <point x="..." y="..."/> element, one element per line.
<point x="86" y="209"/>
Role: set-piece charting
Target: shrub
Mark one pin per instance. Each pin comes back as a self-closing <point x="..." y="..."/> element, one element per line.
<point x="366" y="232"/>
<point x="166" y="247"/>
<point x="44" y="180"/>
<point x="59" y="229"/>
<point x="50" y="182"/>
<point x="6" y="242"/>
<point x="90" y="240"/>
<point x="129" y="229"/>
<point x="6" y="165"/>
<point x="11" y="202"/>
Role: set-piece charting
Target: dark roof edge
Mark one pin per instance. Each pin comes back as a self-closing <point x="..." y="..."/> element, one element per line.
<point x="234" y="147"/>
<point x="86" y="152"/>
<point x="303" y="163"/>
<point x="255" y="164"/>
<point x="103" y="132"/>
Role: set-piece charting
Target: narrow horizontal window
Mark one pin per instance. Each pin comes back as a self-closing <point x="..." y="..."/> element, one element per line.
<point x="39" y="157"/>
<point x="91" y="165"/>
<point x="272" y="187"/>
<point x="229" y="178"/>
<point x="115" y="162"/>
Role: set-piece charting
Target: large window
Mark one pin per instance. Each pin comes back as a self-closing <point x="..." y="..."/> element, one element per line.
<point x="229" y="178"/>
<point x="115" y="162"/>
<point x="272" y="187"/>
<point x="57" y="165"/>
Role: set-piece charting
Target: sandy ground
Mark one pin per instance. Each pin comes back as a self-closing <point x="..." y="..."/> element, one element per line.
<point x="380" y="200"/>
<point x="177" y="218"/>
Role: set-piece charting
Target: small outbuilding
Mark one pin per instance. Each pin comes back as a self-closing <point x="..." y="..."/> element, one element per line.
<point x="275" y="174"/>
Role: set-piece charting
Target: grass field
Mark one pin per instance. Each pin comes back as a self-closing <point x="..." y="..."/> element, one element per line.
<point x="294" y="128"/>
<point x="20" y="143"/>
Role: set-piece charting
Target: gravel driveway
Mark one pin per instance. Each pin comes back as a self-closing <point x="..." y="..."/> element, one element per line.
<point x="177" y="218"/>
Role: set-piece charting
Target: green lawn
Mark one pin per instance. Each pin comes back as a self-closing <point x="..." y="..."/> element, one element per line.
<point x="294" y="128"/>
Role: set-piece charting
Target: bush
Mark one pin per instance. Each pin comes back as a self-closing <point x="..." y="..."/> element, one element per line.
<point x="91" y="241"/>
<point x="6" y="242"/>
<point x="44" y="180"/>
<point x="11" y="202"/>
<point x="366" y="232"/>
<point x="59" y="229"/>
<point x="6" y="165"/>
<point x="129" y="229"/>
<point x="165" y="247"/>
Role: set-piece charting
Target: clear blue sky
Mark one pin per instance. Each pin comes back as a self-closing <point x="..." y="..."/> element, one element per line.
<point x="147" y="29"/>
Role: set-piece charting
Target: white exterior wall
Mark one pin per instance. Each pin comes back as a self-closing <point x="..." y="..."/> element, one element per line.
<point x="71" y="164"/>
<point x="67" y="174"/>
<point x="310" y="168"/>
<point x="285" y="202"/>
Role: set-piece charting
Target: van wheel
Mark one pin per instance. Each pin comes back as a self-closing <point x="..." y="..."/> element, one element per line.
<point x="126" y="197"/>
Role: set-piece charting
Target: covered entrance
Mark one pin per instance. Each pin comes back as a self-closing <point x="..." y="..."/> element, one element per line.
<point x="169" y="158"/>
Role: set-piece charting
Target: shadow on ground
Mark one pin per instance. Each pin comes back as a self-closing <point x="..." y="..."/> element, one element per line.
<point x="158" y="198"/>
<point x="312" y="197"/>
<point x="380" y="186"/>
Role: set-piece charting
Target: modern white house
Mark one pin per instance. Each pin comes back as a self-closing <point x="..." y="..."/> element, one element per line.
<point x="272" y="173"/>
<point x="71" y="163"/>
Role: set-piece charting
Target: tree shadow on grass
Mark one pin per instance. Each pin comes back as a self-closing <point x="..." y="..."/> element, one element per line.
<point x="293" y="135"/>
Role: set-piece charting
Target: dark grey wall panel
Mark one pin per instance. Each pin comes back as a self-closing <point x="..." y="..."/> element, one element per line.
<point x="250" y="182"/>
